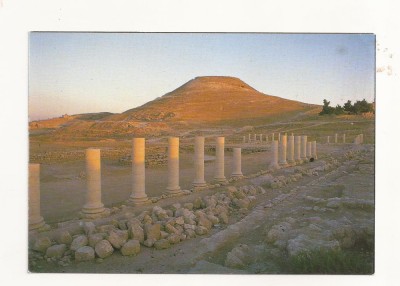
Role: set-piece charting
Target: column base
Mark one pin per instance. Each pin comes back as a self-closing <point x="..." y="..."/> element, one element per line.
<point x="274" y="166"/>
<point x="174" y="191"/>
<point x="139" y="201"/>
<point x="220" y="180"/>
<point x="93" y="208"/>
<point x="237" y="175"/>
<point x="283" y="163"/>
<point x="37" y="223"/>
<point x="199" y="184"/>
<point x="105" y="213"/>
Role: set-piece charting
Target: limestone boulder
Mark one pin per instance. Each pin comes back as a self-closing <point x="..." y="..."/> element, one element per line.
<point x="239" y="257"/>
<point x="303" y="243"/>
<point x="205" y="222"/>
<point x="224" y="218"/>
<point x="63" y="237"/>
<point x="78" y="242"/>
<point x="162" y="244"/>
<point x="198" y="203"/>
<point x="95" y="238"/>
<point x="131" y="247"/>
<point x="188" y="206"/>
<point x="136" y="232"/>
<point x="174" y="238"/>
<point x="152" y="231"/>
<point x="171" y="229"/>
<point x="105" y="228"/>
<point x="133" y="221"/>
<point x="103" y="249"/>
<point x="56" y="251"/>
<point x="180" y="220"/>
<point x="41" y="244"/>
<point x="149" y="242"/>
<point x="214" y="220"/>
<point x="117" y="238"/>
<point x="201" y="230"/>
<point x="190" y="233"/>
<point x="84" y="253"/>
<point x="122" y="224"/>
<point x="89" y="227"/>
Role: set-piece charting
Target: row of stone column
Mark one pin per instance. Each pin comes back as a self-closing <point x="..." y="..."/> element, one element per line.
<point x="94" y="205"/>
<point x="297" y="150"/>
<point x="253" y="137"/>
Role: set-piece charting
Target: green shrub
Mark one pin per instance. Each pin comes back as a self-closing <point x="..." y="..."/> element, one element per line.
<point x="330" y="262"/>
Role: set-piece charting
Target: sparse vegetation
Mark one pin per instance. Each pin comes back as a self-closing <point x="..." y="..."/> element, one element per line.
<point x="330" y="262"/>
<point x="359" y="107"/>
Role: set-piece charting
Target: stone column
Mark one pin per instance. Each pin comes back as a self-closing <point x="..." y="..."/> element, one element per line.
<point x="273" y="137"/>
<point x="344" y="138"/>
<point x="199" y="162"/>
<point x="283" y="150"/>
<point x="249" y="137"/>
<point x="35" y="219"/>
<point x="237" y="162"/>
<point x="297" y="148"/>
<point x="336" y="138"/>
<point x="303" y="151"/>
<point x="309" y="154"/>
<point x="244" y="139"/>
<point x="291" y="150"/>
<point x="274" y="162"/>
<point x="93" y="203"/>
<point x="314" y="150"/>
<point x="279" y="137"/>
<point x="173" y="166"/>
<point x="261" y="138"/>
<point x="219" y="160"/>
<point x="138" y="195"/>
<point x="327" y="139"/>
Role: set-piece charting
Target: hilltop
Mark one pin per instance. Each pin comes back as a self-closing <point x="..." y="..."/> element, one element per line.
<point x="203" y="101"/>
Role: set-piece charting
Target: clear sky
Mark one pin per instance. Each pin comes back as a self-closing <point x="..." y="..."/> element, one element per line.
<point x="93" y="72"/>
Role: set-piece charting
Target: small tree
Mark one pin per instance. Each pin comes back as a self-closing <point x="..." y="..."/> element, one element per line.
<point x="326" y="109"/>
<point x="348" y="107"/>
<point x="339" y="110"/>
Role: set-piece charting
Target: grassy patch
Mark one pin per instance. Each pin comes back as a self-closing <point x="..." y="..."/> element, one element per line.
<point x="330" y="262"/>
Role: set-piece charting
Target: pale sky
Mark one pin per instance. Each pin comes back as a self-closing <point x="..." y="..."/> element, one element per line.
<point x="94" y="72"/>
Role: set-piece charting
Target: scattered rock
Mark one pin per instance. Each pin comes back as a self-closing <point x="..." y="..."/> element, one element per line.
<point x="239" y="257"/>
<point x="152" y="231"/>
<point x="188" y="206"/>
<point x="149" y="242"/>
<point x="56" y="251"/>
<point x="95" y="238"/>
<point x="174" y="238"/>
<point x="203" y="221"/>
<point x="136" y="232"/>
<point x="41" y="244"/>
<point x="63" y="237"/>
<point x="162" y="244"/>
<point x="105" y="228"/>
<point x="117" y="238"/>
<point x="89" y="227"/>
<point x="201" y="230"/>
<point x="84" y="253"/>
<point x="198" y="203"/>
<point x="131" y="247"/>
<point x="78" y="242"/>
<point x="104" y="248"/>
